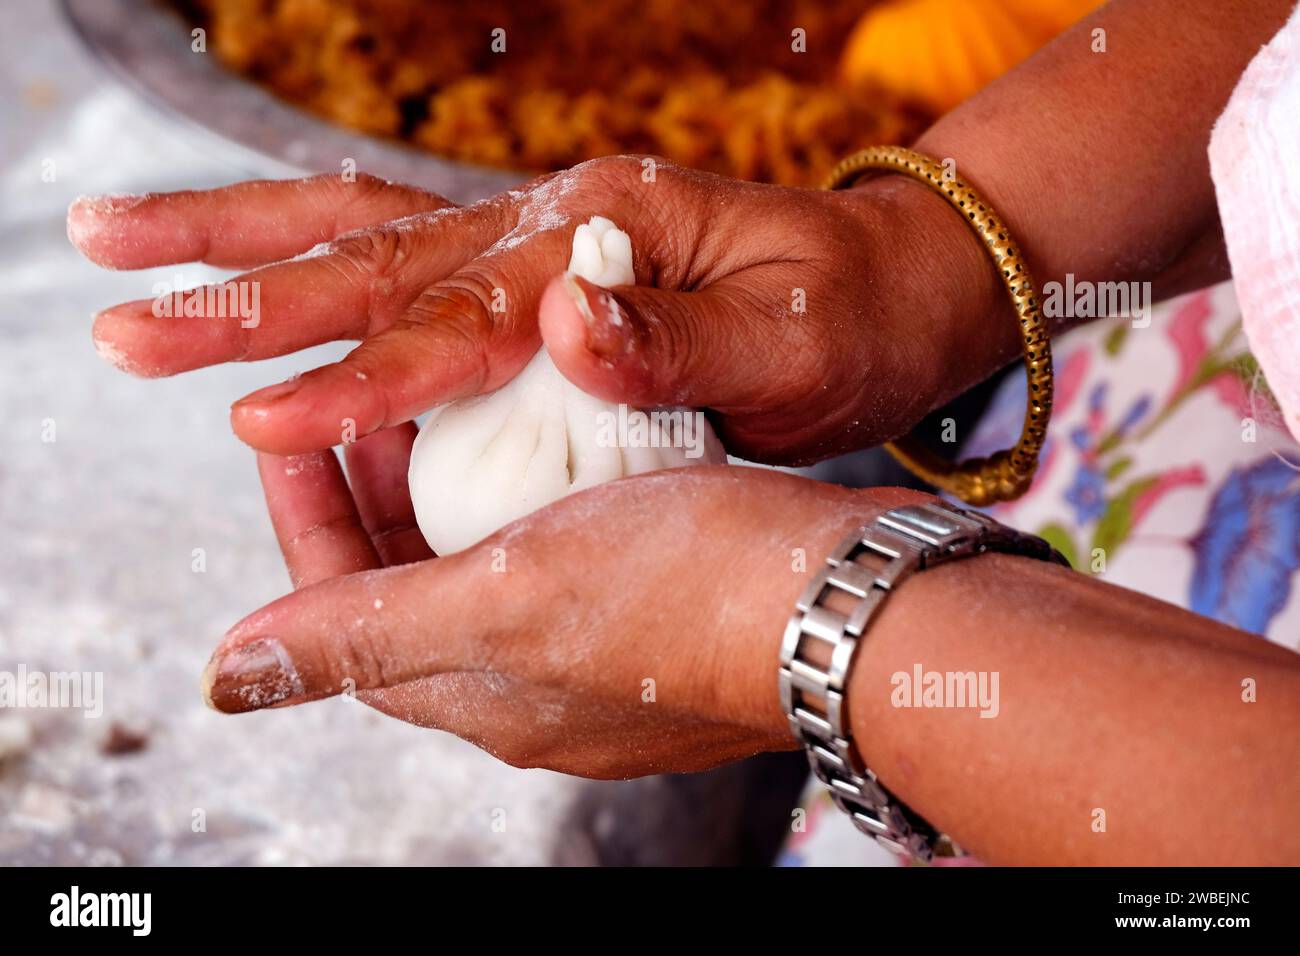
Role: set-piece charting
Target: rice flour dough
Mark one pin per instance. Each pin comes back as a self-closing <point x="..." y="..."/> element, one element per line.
<point x="482" y="462"/>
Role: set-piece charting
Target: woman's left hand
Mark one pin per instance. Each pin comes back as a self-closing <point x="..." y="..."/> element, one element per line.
<point x="630" y="629"/>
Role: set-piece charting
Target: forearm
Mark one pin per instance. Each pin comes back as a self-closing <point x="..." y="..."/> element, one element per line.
<point x="1097" y="162"/>
<point x="1107" y="701"/>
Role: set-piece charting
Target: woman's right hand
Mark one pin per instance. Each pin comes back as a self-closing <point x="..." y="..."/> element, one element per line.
<point x="808" y="322"/>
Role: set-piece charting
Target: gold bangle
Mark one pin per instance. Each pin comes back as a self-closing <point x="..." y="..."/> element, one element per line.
<point x="1006" y="474"/>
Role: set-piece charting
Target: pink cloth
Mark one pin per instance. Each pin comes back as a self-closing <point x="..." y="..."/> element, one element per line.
<point x="1255" y="162"/>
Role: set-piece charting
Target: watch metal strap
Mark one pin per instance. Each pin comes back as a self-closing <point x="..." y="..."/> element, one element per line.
<point x="818" y="648"/>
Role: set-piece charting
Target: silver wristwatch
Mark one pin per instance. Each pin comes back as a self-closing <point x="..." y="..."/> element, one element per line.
<point x="818" y="649"/>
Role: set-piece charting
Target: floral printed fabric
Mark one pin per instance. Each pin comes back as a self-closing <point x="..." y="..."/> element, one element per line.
<point x="1167" y="470"/>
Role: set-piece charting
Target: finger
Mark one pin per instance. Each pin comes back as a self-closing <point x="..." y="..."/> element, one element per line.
<point x="350" y="288"/>
<point x="379" y="629"/>
<point x="239" y="226"/>
<point x="721" y="347"/>
<point x="377" y="466"/>
<point x="465" y="336"/>
<point x="320" y="532"/>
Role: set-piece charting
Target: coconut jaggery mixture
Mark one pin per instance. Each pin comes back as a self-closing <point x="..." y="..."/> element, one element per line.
<point x="707" y="83"/>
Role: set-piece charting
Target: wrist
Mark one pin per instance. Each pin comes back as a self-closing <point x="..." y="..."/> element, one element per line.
<point x="838" y="618"/>
<point x="833" y="513"/>
<point x="941" y="288"/>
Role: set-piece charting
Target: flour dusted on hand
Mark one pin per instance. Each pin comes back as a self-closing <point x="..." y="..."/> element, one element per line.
<point x="480" y="463"/>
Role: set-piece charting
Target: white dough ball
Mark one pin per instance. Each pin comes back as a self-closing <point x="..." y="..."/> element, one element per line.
<point x="480" y="463"/>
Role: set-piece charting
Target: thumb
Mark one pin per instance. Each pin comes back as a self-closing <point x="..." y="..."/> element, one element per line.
<point x="714" y="348"/>
<point x="363" y="631"/>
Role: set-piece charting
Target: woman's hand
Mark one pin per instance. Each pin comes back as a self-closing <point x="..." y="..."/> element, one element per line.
<point x="630" y="629"/>
<point x="803" y="319"/>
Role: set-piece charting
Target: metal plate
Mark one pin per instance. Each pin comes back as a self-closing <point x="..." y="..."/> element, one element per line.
<point x="146" y="44"/>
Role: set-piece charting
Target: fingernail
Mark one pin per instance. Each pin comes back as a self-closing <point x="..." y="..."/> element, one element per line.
<point x="272" y="393"/>
<point x="250" y="677"/>
<point x="121" y="360"/>
<point x="609" y="333"/>
<point x="107" y="205"/>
